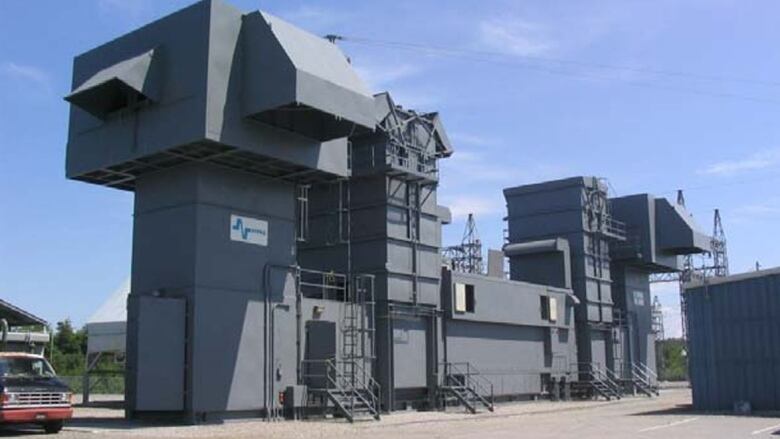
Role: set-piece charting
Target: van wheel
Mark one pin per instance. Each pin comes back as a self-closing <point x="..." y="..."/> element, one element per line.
<point x="52" y="427"/>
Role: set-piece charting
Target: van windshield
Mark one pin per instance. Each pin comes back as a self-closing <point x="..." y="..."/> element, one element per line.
<point x="25" y="368"/>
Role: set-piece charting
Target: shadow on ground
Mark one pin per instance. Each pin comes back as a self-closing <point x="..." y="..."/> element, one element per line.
<point x="110" y="404"/>
<point x="22" y="430"/>
<point x="687" y="409"/>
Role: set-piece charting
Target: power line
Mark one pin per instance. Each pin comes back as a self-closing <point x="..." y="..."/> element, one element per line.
<point x="503" y="59"/>
<point x="455" y="50"/>
<point x="723" y="184"/>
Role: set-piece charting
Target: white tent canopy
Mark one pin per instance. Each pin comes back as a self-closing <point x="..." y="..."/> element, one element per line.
<point x="107" y="327"/>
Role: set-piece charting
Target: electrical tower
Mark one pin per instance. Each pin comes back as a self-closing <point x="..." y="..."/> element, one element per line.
<point x="466" y="257"/>
<point x="720" y="259"/>
<point x="658" y="319"/>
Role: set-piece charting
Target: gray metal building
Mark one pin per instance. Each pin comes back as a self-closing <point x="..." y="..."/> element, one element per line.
<point x="384" y="222"/>
<point x="575" y="210"/>
<point x="611" y="246"/>
<point x="518" y="336"/>
<point x="733" y="339"/>
<point x="214" y="118"/>
<point x="658" y="235"/>
<point x="287" y="238"/>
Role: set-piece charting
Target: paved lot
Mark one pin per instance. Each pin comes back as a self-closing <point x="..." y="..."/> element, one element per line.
<point x="665" y="417"/>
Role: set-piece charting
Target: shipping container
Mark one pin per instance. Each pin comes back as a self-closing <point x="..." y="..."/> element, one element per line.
<point x="734" y="340"/>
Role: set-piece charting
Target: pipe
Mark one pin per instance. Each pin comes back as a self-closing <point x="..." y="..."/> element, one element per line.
<point x="274" y="400"/>
<point x="266" y="270"/>
<point x="298" y="330"/>
<point x="542" y="246"/>
<point x="269" y="400"/>
<point x="5" y="328"/>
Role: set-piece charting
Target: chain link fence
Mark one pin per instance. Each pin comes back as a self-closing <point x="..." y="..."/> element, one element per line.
<point x="98" y="384"/>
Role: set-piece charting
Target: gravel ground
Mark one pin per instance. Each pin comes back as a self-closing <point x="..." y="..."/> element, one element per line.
<point x="667" y="416"/>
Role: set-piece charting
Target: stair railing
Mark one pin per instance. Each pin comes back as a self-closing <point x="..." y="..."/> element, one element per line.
<point x="364" y="382"/>
<point x="471" y="378"/>
<point x="650" y="376"/>
<point x="593" y="373"/>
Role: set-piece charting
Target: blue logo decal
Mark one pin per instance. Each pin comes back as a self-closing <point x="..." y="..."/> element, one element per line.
<point x="246" y="230"/>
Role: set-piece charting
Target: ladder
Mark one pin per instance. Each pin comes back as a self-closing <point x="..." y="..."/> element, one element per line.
<point x="357" y="325"/>
<point x="357" y="391"/>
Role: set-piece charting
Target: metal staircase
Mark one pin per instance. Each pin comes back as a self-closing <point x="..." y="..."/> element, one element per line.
<point x="595" y="381"/>
<point x="348" y="383"/>
<point x="463" y="384"/>
<point x="644" y="380"/>
<point x="354" y="394"/>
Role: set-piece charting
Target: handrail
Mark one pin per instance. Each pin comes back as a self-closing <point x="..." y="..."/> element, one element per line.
<point x="601" y="375"/>
<point x="615" y="227"/>
<point x="327" y="374"/>
<point x="648" y="370"/>
<point x="364" y="380"/>
<point x="594" y="371"/>
<point x="645" y="373"/>
<point x="410" y="157"/>
<point x="612" y="375"/>
<point x="339" y="380"/>
<point x="472" y="376"/>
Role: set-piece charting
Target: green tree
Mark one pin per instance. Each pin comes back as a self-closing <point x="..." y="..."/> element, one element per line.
<point x="672" y="360"/>
<point x="70" y="349"/>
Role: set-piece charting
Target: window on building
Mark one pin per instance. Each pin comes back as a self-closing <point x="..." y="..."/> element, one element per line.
<point x="639" y="298"/>
<point x="553" y="309"/>
<point x="470" y="301"/>
<point x="464" y="298"/>
<point x="549" y="308"/>
<point x="544" y="303"/>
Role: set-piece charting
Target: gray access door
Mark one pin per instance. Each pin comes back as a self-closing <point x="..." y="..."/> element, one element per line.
<point x="598" y="348"/>
<point x="160" y="366"/>
<point x="320" y="345"/>
<point x="410" y="352"/>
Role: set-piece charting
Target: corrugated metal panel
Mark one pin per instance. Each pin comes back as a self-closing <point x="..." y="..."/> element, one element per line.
<point x="734" y="342"/>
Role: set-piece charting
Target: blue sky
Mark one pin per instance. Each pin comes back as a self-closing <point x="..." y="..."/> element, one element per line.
<point x="513" y="118"/>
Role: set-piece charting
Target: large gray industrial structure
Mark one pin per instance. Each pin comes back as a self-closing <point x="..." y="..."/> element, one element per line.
<point x="569" y="233"/>
<point x="287" y="239"/>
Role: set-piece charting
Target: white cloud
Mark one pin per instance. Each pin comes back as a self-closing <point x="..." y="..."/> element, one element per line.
<point x="753" y="162"/>
<point x="514" y="36"/>
<point x="418" y="99"/>
<point x="767" y="209"/>
<point x="461" y="138"/>
<point x="399" y="78"/>
<point x="26" y="73"/>
<point x="469" y="167"/>
<point x="481" y="206"/>
<point x="380" y="77"/>
<point x="478" y="180"/>
<point x="490" y="170"/>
